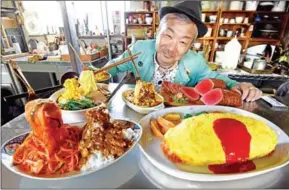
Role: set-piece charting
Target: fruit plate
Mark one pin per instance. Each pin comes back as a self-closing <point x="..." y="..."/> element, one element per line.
<point x="139" y="109"/>
<point x="9" y="147"/>
<point x="150" y="146"/>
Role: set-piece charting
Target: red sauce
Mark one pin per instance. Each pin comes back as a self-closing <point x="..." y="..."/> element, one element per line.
<point x="235" y="140"/>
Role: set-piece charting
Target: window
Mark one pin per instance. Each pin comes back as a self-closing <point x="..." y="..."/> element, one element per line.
<point x="93" y="11"/>
<point x="41" y="17"/>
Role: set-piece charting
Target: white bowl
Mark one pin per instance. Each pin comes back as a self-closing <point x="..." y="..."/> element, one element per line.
<point x="239" y="19"/>
<point x="151" y="148"/>
<point x="70" y="116"/>
<point x="143" y="110"/>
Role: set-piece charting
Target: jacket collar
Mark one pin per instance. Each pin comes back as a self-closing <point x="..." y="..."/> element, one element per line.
<point x="182" y="75"/>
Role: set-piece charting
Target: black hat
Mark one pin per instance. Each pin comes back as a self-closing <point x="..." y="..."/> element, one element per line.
<point x="190" y="8"/>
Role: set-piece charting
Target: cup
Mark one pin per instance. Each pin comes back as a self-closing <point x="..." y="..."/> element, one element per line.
<point x="232" y="21"/>
<point x="246" y="20"/>
<point x="230" y="33"/>
<point x="209" y="33"/>
<point x="139" y="20"/>
<point x="226" y="20"/>
<point x="239" y="19"/>
<point x="222" y="32"/>
<point x="222" y="20"/>
<point x="213" y="18"/>
<point x="203" y="17"/>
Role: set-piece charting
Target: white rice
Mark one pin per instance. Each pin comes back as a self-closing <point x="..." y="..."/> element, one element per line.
<point x="97" y="160"/>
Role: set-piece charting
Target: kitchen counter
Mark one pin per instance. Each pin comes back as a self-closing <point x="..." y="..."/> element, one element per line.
<point x="132" y="174"/>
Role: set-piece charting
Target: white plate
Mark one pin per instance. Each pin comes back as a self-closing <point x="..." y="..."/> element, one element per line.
<point x="150" y="146"/>
<point x="143" y="110"/>
<point x="7" y="156"/>
<point x="164" y="181"/>
<point x="70" y="116"/>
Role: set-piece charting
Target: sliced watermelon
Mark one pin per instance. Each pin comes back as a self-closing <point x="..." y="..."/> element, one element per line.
<point x="204" y="86"/>
<point x="190" y="93"/>
<point x="213" y="97"/>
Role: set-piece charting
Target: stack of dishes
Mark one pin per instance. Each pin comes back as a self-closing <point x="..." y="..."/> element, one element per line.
<point x="207" y="149"/>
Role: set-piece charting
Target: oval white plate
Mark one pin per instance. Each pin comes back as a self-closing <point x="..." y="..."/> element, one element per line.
<point x="143" y="110"/>
<point x="7" y="153"/>
<point x="70" y="116"/>
<point x="150" y="145"/>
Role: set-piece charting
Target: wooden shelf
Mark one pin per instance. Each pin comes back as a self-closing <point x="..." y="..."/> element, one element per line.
<point x="241" y="24"/>
<point x="139" y="12"/>
<point x="237" y="11"/>
<point x="209" y="11"/>
<point x="139" y="24"/>
<point x="206" y="38"/>
<point x="245" y="40"/>
<point x="229" y="38"/>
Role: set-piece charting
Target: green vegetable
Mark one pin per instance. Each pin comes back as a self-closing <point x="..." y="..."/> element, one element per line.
<point x="180" y="100"/>
<point x="190" y="115"/>
<point x="77" y="104"/>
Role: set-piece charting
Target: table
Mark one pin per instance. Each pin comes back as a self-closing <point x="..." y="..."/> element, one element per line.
<point x="130" y="174"/>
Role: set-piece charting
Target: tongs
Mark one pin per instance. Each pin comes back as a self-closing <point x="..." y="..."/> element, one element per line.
<point x="17" y="71"/>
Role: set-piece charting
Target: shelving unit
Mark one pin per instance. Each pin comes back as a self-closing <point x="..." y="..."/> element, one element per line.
<point x="247" y="40"/>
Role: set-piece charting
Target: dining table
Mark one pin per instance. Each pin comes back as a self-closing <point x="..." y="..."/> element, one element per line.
<point x="128" y="172"/>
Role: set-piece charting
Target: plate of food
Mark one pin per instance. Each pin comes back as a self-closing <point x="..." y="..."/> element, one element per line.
<point x="102" y="77"/>
<point x="79" y="95"/>
<point x="55" y="151"/>
<point x="209" y="91"/>
<point x="143" y="98"/>
<point x="212" y="143"/>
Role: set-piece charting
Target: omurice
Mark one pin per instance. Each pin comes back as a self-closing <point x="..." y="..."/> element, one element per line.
<point x="218" y="139"/>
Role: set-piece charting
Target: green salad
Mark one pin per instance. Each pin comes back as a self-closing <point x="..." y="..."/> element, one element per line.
<point x="72" y="104"/>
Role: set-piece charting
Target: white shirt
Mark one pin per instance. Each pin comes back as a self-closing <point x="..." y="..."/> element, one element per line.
<point x="160" y="76"/>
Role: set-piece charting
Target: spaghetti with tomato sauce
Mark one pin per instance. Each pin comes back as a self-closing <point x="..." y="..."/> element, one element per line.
<point x="51" y="147"/>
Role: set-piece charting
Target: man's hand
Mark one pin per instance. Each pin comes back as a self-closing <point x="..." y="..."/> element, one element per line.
<point x="248" y="91"/>
<point x="283" y="89"/>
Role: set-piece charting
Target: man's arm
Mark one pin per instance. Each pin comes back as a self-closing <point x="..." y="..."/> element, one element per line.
<point x="123" y="67"/>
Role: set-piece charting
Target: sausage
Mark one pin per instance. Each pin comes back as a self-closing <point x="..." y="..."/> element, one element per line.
<point x="231" y="98"/>
<point x="218" y="83"/>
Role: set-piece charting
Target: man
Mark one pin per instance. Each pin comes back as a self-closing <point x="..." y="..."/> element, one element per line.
<point x="169" y="56"/>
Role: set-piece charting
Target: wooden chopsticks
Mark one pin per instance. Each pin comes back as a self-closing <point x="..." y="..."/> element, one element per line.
<point x="137" y="77"/>
<point x="117" y="63"/>
<point x="105" y="68"/>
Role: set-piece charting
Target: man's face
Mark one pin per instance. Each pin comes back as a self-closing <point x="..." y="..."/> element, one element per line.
<point x="174" y="39"/>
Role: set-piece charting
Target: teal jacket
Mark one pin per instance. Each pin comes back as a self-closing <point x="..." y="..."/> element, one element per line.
<point x="192" y="67"/>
